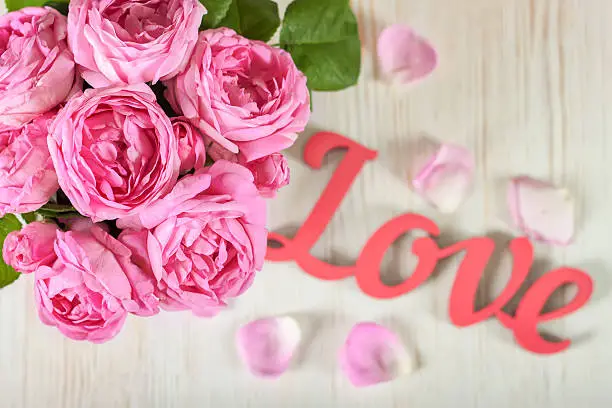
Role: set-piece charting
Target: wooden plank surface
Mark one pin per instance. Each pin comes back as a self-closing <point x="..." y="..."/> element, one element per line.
<point x="525" y="84"/>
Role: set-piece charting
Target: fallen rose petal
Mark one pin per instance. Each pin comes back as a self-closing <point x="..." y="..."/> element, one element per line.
<point x="404" y="55"/>
<point x="447" y="177"/>
<point x="373" y="354"/>
<point x="267" y="345"/>
<point x="541" y="210"/>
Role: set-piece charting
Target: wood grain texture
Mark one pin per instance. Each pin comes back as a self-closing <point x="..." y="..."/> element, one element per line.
<point x="525" y="84"/>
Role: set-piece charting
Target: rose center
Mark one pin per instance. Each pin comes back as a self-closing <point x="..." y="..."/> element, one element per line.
<point x="120" y="150"/>
<point x="140" y="21"/>
<point x="201" y="257"/>
<point x="249" y="81"/>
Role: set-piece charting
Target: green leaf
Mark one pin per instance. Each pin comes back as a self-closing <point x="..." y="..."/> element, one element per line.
<point x="311" y="100"/>
<point x="29" y="217"/>
<point x="51" y="210"/>
<point x="8" y="224"/>
<point x="61" y="6"/>
<point x="12" y="5"/>
<point x="216" y="10"/>
<point x="254" y="19"/>
<point x="57" y="208"/>
<point x="323" y="39"/>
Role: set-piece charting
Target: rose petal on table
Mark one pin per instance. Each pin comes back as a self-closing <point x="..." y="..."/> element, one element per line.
<point x="373" y="354"/>
<point x="404" y="55"/>
<point x="267" y="345"/>
<point x="541" y="210"/>
<point x="446" y="179"/>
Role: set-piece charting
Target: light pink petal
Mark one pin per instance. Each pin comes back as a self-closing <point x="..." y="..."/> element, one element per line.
<point x="405" y="56"/>
<point x="446" y="179"/>
<point x="267" y="345"/>
<point x="373" y="354"/>
<point x="542" y="211"/>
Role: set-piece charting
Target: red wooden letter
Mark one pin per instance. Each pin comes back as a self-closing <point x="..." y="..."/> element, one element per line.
<point x="371" y="257"/>
<point x="298" y="248"/>
<point x="478" y="255"/>
<point x="529" y="311"/>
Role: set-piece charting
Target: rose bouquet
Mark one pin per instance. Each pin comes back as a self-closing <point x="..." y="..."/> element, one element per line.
<point x="140" y="140"/>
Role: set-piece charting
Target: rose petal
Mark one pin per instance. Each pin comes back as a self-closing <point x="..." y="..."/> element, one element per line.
<point x="373" y="354"/>
<point x="541" y="210"/>
<point x="446" y="179"/>
<point x="267" y="345"/>
<point x="405" y="55"/>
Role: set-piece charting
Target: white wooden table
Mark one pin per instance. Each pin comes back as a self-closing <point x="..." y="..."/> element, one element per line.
<point x="526" y="84"/>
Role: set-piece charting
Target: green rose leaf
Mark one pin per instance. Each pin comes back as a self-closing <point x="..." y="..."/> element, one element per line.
<point x="56" y="208"/>
<point x="323" y="39"/>
<point x="254" y="19"/>
<point x="61" y="6"/>
<point x="8" y="224"/>
<point x="29" y="217"/>
<point x="51" y="210"/>
<point x="13" y="5"/>
<point x="216" y="10"/>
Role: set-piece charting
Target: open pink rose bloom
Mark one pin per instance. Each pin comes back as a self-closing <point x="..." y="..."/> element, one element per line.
<point x="204" y="242"/>
<point x="91" y="286"/>
<point x="245" y="95"/>
<point x="114" y="150"/>
<point x="37" y="70"/>
<point x="131" y="42"/>
<point x="27" y="177"/>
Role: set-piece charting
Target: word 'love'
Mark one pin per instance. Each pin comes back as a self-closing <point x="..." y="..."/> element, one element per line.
<point x="477" y="254"/>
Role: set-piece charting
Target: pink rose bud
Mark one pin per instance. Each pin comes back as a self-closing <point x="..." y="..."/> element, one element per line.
<point x="27" y="177"/>
<point x="123" y="42"/>
<point x="245" y="95"/>
<point x="191" y="148"/>
<point x="37" y="70"/>
<point x="271" y="174"/>
<point x="90" y="288"/>
<point x="30" y="248"/>
<point x="203" y="242"/>
<point x="114" y="151"/>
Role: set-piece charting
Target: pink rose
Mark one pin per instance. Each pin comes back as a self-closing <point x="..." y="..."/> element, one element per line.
<point x="27" y="177"/>
<point x="191" y="148"/>
<point x="118" y="42"/>
<point x="36" y="67"/>
<point x="114" y="151"/>
<point x="271" y="174"/>
<point x="91" y="287"/>
<point x="30" y="248"/>
<point x="245" y="95"/>
<point x="204" y="241"/>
